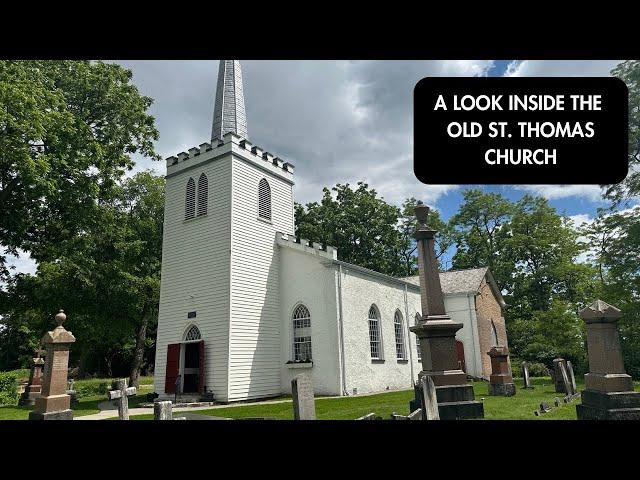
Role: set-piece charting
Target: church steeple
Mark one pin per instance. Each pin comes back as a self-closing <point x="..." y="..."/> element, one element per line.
<point x="228" y="113"/>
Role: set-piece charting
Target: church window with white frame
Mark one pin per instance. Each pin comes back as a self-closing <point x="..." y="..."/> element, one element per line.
<point x="264" y="199"/>
<point x="418" y="317"/>
<point x="375" y="338"/>
<point x="301" y="334"/>
<point x="193" y="333"/>
<point x="190" y="200"/>
<point x="399" y="332"/>
<point x="203" y="194"/>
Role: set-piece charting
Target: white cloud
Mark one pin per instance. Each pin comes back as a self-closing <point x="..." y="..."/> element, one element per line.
<point x="561" y="68"/>
<point x="554" y="192"/>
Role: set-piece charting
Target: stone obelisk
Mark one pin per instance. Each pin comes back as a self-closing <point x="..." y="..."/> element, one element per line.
<point x="54" y="403"/>
<point x="608" y="393"/>
<point x="437" y="333"/>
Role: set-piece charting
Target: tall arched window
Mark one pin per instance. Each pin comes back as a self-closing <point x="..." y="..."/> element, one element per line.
<point x="418" y="317"/>
<point x="375" y="339"/>
<point x="193" y="333"/>
<point x="190" y="200"/>
<point x="301" y="334"/>
<point x="203" y="194"/>
<point x="494" y="335"/>
<point x="399" y="331"/>
<point x="264" y="199"/>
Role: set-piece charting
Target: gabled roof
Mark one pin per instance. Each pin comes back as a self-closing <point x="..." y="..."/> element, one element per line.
<point x="464" y="281"/>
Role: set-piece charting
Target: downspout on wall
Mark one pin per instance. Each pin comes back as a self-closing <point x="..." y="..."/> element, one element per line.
<point x="340" y="323"/>
<point x="406" y="316"/>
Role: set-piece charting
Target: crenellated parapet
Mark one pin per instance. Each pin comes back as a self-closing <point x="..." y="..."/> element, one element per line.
<point x="230" y="143"/>
<point x="306" y="246"/>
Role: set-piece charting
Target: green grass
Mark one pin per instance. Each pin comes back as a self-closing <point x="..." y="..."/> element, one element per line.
<point x="87" y="405"/>
<point x="520" y="407"/>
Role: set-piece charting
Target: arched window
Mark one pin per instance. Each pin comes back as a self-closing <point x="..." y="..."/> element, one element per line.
<point x="494" y="335"/>
<point x="375" y="339"/>
<point x="399" y="331"/>
<point x="264" y="199"/>
<point x="193" y="333"/>
<point x="418" y="317"/>
<point x="190" y="200"/>
<point x="301" y="334"/>
<point x="203" y="194"/>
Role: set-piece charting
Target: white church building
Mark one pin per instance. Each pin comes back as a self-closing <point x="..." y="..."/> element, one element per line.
<point x="245" y="306"/>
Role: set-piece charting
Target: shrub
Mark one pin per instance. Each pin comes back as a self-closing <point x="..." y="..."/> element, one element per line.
<point x="537" y="369"/>
<point x="8" y="388"/>
<point x="94" y="386"/>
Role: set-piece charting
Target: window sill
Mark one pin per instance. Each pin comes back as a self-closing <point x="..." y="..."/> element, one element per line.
<point x="377" y="360"/>
<point x="264" y="220"/>
<point x="292" y="366"/>
<point x="403" y="360"/>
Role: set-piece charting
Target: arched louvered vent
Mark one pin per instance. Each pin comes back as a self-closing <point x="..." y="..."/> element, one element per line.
<point x="192" y="334"/>
<point x="264" y="200"/>
<point x="190" y="200"/>
<point x="203" y="194"/>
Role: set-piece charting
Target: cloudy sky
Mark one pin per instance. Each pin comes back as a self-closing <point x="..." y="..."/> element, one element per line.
<point x="338" y="121"/>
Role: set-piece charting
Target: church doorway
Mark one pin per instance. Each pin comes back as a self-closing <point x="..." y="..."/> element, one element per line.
<point x="185" y="365"/>
<point x="460" y="353"/>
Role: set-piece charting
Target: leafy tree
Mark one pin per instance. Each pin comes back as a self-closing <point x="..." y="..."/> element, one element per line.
<point x="629" y="72"/>
<point x="477" y="226"/>
<point x="407" y="227"/>
<point x="361" y="225"/>
<point x="67" y="133"/>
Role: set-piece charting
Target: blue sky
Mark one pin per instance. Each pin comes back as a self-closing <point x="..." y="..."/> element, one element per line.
<point x="337" y="121"/>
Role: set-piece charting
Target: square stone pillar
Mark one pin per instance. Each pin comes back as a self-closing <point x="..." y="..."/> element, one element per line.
<point x="437" y="333"/>
<point x="54" y="403"/>
<point x="501" y="379"/>
<point x="34" y="387"/>
<point x="608" y="393"/>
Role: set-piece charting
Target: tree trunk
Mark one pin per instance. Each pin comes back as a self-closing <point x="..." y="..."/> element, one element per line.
<point x="138" y="354"/>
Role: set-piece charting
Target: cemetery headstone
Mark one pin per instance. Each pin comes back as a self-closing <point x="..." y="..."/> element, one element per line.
<point x="121" y="394"/>
<point x="429" y="399"/>
<point x="608" y="393"/>
<point x="415" y="415"/>
<point x="369" y="416"/>
<point x="525" y="375"/>
<point x="501" y="380"/>
<point x="437" y="333"/>
<point x="304" y="407"/>
<point x="544" y="407"/>
<point x="557" y="401"/>
<point x="565" y="379"/>
<point x="54" y="403"/>
<point x="34" y="386"/>
<point x="558" y="381"/>
<point x="572" y="378"/>
<point x="163" y="410"/>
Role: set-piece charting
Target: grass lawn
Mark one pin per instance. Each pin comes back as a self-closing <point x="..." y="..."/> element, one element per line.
<point x="87" y="405"/>
<point x="520" y="407"/>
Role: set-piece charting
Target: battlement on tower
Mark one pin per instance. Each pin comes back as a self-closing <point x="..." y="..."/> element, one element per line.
<point x="305" y="245"/>
<point x="230" y="143"/>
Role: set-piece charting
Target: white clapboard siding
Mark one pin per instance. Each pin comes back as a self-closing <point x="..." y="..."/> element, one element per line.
<point x="255" y="343"/>
<point x="195" y="272"/>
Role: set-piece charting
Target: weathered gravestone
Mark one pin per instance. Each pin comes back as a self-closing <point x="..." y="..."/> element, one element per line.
<point x="429" y="399"/>
<point x="304" y="407"/>
<point x="608" y="393"/>
<point x="572" y="378"/>
<point x="525" y="375"/>
<point x="121" y="394"/>
<point x="54" y="403"/>
<point x="437" y="333"/>
<point x="163" y="410"/>
<point x="501" y="380"/>
<point x="566" y="385"/>
<point x="415" y="415"/>
<point x="558" y="381"/>
<point x="544" y="407"/>
<point x="34" y="386"/>
<point x="369" y="416"/>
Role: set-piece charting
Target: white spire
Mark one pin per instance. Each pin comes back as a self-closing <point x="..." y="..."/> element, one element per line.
<point x="228" y="113"/>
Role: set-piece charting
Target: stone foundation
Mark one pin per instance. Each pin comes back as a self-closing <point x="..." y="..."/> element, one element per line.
<point x="502" y="389"/>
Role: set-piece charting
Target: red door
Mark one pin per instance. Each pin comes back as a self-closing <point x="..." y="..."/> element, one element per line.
<point x="460" y="352"/>
<point x="173" y="368"/>
<point x="201" y="369"/>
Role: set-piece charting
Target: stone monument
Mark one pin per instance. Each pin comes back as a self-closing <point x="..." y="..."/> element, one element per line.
<point x="558" y="381"/>
<point x="525" y="375"/>
<point x="121" y="395"/>
<point x="608" y="393"/>
<point x="304" y="407"/>
<point x="501" y="379"/>
<point x="437" y="334"/>
<point x="54" y="403"/>
<point x="34" y="386"/>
